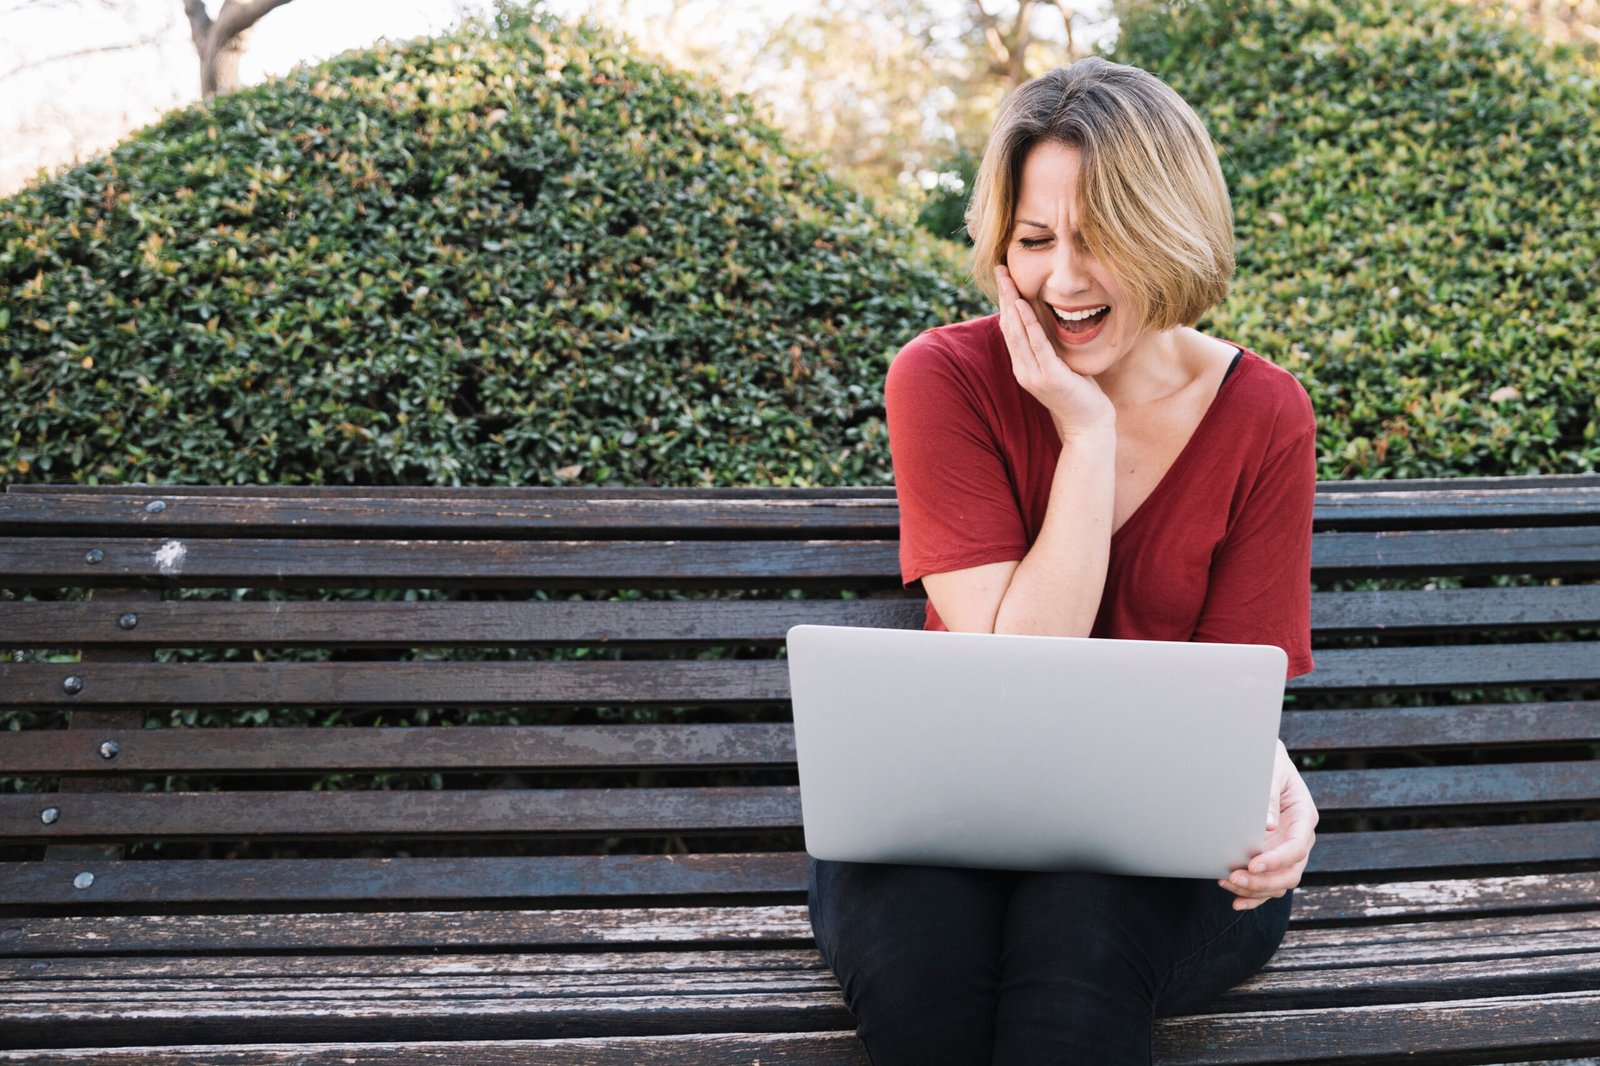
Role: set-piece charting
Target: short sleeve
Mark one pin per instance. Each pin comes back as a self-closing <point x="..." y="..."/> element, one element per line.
<point x="1259" y="591"/>
<point x="958" y="507"/>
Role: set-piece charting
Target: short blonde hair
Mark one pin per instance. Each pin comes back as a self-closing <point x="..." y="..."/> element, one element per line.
<point x="1152" y="202"/>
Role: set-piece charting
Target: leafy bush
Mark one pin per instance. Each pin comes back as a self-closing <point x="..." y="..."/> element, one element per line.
<point x="513" y="255"/>
<point x="519" y="255"/>
<point x="1416" y="192"/>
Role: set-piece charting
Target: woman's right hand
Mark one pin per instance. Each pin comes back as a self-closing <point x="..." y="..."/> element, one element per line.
<point x="1075" y="402"/>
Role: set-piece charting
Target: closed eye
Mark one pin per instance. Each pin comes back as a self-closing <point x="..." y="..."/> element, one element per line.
<point x="1034" y="242"/>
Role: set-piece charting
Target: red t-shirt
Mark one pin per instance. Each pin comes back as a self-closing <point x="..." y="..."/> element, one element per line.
<point x="1221" y="549"/>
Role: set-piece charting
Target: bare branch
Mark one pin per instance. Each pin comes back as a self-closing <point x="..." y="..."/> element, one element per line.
<point x="199" y="22"/>
<point x="235" y="17"/>
<point x="47" y="60"/>
<point x="218" y="40"/>
<point x="1067" y="15"/>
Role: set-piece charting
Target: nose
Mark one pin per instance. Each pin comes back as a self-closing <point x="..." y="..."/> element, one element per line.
<point x="1069" y="272"/>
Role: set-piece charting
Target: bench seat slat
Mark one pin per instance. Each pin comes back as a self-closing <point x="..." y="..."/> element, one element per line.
<point x="424" y="1017"/>
<point x="365" y="624"/>
<point x="1316" y="905"/>
<point x="40" y="1003"/>
<point x="685" y="1005"/>
<point x="1449" y="1031"/>
<point x="729" y="745"/>
<point x="40" y="1000"/>
<point x="710" y="1049"/>
<point x="1303" y="949"/>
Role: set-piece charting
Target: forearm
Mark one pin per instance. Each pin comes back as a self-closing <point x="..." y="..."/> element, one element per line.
<point x="1056" y="588"/>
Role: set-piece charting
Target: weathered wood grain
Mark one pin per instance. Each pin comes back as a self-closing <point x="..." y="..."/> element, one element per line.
<point x="303" y="815"/>
<point x="708" y="1049"/>
<point x="650" y="746"/>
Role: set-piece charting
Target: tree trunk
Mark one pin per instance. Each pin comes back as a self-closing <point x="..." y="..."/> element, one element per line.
<point x="220" y="41"/>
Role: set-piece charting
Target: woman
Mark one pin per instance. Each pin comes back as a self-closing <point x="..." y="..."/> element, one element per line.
<point x="1086" y="463"/>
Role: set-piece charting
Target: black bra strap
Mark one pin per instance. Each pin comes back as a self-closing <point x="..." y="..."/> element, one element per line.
<point x="1238" y="355"/>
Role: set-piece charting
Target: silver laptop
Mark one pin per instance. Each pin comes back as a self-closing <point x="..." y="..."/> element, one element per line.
<point x="1033" y="753"/>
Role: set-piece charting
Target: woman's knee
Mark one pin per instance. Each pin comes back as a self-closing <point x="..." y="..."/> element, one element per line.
<point x="916" y="951"/>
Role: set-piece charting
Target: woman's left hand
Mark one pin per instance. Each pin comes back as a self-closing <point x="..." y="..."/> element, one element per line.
<point x="1291" y="830"/>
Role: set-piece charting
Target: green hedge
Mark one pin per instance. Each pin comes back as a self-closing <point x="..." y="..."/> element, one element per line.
<point x="520" y="255"/>
<point x="513" y="255"/>
<point x="1418" y="201"/>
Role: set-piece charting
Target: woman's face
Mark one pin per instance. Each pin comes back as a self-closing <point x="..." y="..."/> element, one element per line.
<point x="1083" y="310"/>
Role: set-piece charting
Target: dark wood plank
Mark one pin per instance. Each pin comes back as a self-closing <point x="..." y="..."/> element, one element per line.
<point x="769" y="925"/>
<point x="1523" y="893"/>
<point x="494" y="684"/>
<point x="366" y="624"/>
<point x="1455" y="552"/>
<point x="284" y="815"/>
<point x="420" y="813"/>
<point x="1411" y="611"/>
<point x="496" y="564"/>
<point x="1453" y="1031"/>
<point x="1393" y="982"/>
<point x="1438" y="787"/>
<point x="379" y="882"/>
<point x="421" y="1016"/>
<point x="142" y="972"/>
<point x="393" y="684"/>
<point x="425" y="515"/>
<point x="320" y="750"/>
<point x="1459" y="847"/>
<point x="1413" y="728"/>
<point x="709" y="1049"/>
<point x="286" y="563"/>
<point x="553" y="978"/>
<point x="1455" y="666"/>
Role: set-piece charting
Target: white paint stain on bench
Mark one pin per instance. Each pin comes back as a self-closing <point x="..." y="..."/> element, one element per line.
<point x="169" y="557"/>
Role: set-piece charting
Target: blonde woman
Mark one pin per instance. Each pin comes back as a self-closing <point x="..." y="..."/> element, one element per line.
<point x="1086" y="463"/>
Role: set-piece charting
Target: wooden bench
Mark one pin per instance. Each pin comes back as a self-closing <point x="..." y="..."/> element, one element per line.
<point x="613" y="872"/>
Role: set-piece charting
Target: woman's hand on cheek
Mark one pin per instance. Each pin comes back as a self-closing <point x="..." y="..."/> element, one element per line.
<point x="1075" y="402"/>
<point x="1291" y="832"/>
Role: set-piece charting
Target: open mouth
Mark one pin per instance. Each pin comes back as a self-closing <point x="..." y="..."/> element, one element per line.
<point x="1076" y="327"/>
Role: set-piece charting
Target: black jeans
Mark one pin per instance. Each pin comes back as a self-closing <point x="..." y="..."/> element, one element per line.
<point x="950" y="966"/>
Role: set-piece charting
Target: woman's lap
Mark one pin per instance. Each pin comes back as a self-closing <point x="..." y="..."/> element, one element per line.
<point x="946" y="965"/>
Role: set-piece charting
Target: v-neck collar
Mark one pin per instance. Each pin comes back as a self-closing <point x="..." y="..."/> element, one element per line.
<point x="1229" y="387"/>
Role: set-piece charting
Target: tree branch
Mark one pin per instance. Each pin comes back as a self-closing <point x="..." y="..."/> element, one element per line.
<point x="1067" y="15"/>
<point x="199" y="22"/>
<point x="32" y="63"/>
<point x="235" y="17"/>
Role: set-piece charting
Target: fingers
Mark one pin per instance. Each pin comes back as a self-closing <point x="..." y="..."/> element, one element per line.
<point x="1024" y="336"/>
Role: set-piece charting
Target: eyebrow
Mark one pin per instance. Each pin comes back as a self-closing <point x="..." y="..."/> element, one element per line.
<point x="1035" y="225"/>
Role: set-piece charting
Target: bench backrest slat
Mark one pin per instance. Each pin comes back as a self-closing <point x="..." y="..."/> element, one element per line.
<point x="369" y="624"/>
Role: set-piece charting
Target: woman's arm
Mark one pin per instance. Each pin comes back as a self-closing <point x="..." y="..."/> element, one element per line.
<point x="1055" y="589"/>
